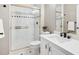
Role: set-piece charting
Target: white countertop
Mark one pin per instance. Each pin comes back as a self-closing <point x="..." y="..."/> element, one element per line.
<point x="70" y="45"/>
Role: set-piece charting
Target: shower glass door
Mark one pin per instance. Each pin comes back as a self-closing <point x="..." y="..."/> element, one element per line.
<point x="23" y="25"/>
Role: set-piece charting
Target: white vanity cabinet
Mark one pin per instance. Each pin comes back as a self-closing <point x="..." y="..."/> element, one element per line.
<point x="47" y="48"/>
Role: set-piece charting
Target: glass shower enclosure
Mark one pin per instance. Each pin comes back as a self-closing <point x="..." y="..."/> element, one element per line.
<point x="24" y="25"/>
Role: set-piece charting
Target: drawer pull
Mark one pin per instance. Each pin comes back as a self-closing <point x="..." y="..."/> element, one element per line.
<point x="46" y="46"/>
<point x="49" y="48"/>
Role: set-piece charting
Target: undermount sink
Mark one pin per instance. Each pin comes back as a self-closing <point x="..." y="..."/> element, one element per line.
<point x="58" y="38"/>
<point x="54" y="36"/>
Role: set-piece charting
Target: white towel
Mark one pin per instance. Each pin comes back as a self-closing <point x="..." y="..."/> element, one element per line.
<point x="1" y="29"/>
<point x="71" y="26"/>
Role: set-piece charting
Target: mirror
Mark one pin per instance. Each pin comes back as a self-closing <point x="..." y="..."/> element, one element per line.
<point x="66" y="18"/>
<point x="70" y="18"/>
<point x="59" y="18"/>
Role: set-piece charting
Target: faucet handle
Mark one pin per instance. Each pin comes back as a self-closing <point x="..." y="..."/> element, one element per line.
<point x="61" y="34"/>
<point x="68" y="37"/>
<point x="65" y="34"/>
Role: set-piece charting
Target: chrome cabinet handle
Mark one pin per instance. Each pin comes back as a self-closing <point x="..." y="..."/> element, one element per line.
<point x="49" y="48"/>
<point x="46" y="46"/>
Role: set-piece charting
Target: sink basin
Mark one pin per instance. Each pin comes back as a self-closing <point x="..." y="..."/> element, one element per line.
<point x="57" y="38"/>
<point x="54" y="36"/>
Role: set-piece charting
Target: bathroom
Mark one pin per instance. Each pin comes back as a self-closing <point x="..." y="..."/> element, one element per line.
<point x="39" y="29"/>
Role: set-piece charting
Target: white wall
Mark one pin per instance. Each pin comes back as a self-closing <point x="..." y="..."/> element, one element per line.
<point x="42" y="17"/>
<point x="47" y="16"/>
<point x="50" y="17"/>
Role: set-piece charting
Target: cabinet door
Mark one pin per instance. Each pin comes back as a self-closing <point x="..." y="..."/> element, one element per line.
<point x="54" y="50"/>
<point x="44" y="47"/>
